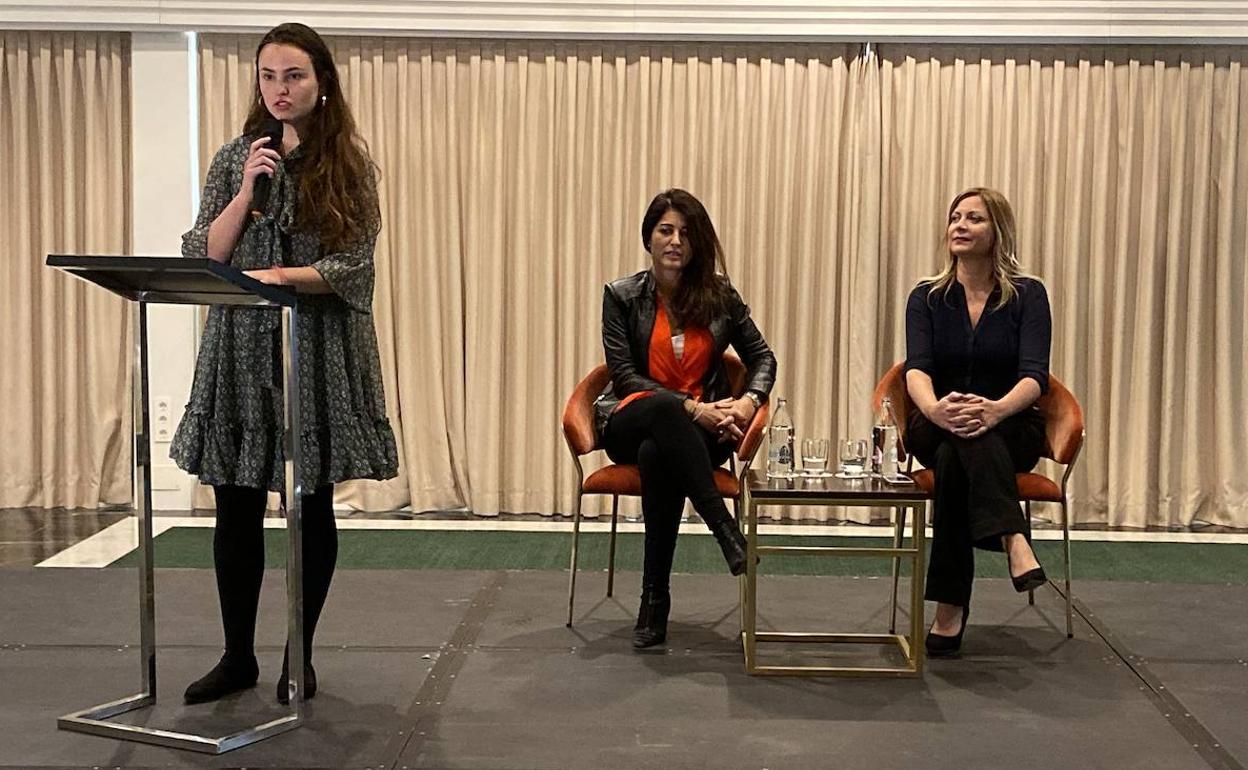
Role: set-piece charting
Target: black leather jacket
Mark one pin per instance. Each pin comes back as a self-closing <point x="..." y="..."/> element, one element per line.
<point x="628" y="310"/>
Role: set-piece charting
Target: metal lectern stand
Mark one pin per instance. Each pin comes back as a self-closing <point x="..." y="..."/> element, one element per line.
<point x="182" y="281"/>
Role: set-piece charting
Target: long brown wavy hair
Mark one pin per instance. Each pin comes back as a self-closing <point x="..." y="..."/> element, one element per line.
<point x="703" y="290"/>
<point x="337" y="185"/>
<point x="1005" y="266"/>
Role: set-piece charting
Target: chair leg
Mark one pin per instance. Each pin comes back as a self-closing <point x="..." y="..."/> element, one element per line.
<point x="898" y="535"/>
<point x="576" y="536"/>
<point x="1070" y="620"/>
<point x="1031" y="595"/>
<point x="615" y="511"/>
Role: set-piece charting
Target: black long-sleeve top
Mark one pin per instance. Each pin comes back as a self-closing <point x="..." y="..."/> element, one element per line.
<point x="990" y="359"/>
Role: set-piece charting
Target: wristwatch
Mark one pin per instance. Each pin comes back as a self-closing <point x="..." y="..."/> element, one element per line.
<point x="754" y="397"/>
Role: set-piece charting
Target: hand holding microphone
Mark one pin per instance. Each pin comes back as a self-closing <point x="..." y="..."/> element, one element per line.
<point x="261" y="165"/>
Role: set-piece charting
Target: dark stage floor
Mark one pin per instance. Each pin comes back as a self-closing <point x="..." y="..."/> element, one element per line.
<point x="475" y="669"/>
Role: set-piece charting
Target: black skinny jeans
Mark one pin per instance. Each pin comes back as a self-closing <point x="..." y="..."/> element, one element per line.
<point x="238" y="555"/>
<point x="677" y="460"/>
<point x="976" y="496"/>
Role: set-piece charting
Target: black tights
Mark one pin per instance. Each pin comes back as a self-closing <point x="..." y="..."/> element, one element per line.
<point x="238" y="555"/>
<point x="677" y="459"/>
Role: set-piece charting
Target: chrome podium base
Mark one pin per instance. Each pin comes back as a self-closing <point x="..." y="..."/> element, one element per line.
<point x="92" y="721"/>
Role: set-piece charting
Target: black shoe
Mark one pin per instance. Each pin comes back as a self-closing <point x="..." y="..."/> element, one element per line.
<point x="732" y="543"/>
<point x="651" y="628"/>
<point x="283" y="686"/>
<point x="226" y="677"/>
<point x="938" y="645"/>
<point x="1029" y="580"/>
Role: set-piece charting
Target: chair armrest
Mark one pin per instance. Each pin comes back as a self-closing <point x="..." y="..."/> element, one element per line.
<point x="749" y="443"/>
<point x="578" y="414"/>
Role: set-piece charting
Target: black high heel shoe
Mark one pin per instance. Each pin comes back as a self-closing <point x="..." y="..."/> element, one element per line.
<point x="938" y="645"/>
<point x="1029" y="580"/>
<point x="651" y="628"/>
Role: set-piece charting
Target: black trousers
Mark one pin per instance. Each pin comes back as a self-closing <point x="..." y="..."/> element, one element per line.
<point x="976" y="496"/>
<point x="677" y="460"/>
<point x="238" y="555"/>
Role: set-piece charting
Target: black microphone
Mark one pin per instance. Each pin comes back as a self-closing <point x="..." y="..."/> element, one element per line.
<point x="273" y="129"/>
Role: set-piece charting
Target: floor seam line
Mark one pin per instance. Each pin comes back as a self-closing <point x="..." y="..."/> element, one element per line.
<point x="1176" y="714"/>
<point x="438" y="682"/>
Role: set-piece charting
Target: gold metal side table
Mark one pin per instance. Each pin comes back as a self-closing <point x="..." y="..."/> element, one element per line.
<point x="760" y="491"/>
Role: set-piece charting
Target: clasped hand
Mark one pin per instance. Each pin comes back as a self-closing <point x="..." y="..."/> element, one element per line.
<point x="726" y="418"/>
<point x="966" y="414"/>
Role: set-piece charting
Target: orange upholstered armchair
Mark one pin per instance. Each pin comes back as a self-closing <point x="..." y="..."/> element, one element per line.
<point x="617" y="480"/>
<point x="1064" y="433"/>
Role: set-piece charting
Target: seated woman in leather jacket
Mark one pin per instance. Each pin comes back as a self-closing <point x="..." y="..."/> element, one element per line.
<point x="669" y="408"/>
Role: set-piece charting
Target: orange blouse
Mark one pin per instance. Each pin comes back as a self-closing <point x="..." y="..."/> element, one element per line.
<point x="684" y="374"/>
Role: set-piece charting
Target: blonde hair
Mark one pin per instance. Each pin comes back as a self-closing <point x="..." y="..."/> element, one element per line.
<point x="1005" y="267"/>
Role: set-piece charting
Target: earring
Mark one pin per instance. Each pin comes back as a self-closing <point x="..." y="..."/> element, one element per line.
<point x="322" y="100"/>
<point x="260" y="100"/>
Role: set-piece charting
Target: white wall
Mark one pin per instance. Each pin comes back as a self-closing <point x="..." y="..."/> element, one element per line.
<point x="162" y="190"/>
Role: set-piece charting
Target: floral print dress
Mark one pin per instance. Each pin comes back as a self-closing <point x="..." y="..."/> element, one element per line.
<point x="232" y="428"/>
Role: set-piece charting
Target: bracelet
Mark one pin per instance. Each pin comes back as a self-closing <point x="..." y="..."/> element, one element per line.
<point x="754" y="398"/>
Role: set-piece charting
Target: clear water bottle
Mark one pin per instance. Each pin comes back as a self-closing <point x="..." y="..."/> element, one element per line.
<point x="888" y="466"/>
<point x="780" y="443"/>
<point x="884" y="441"/>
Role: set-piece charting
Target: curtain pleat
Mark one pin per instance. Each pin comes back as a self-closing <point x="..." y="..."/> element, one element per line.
<point x="64" y="117"/>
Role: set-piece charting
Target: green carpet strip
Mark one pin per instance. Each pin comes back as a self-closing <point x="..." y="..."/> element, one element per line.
<point x="397" y="549"/>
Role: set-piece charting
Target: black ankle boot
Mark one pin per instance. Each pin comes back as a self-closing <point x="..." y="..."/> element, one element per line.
<point x="309" y="681"/>
<point x="651" y="628"/>
<point x="731" y="542"/>
<point x="228" y="676"/>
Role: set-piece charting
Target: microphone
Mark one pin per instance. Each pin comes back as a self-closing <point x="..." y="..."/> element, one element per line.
<point x="273" y="129"/>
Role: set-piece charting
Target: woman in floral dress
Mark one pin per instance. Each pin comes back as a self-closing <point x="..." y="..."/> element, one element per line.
<point x="315" y="233"/>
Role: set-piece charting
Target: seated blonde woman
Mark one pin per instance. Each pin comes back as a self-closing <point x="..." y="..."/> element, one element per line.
<point x="977" y="358"/>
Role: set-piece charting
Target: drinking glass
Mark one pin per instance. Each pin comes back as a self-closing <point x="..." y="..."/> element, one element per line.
<point x="853" y="454"/>
<point x="815" y="456"/>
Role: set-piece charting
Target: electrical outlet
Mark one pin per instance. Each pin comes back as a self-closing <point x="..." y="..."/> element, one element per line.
<point x="162" y="419"/>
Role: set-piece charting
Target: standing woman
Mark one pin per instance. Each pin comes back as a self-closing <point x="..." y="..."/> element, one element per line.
<point x="669" y="407"/>
<point x="315" y="233"/>
<point x="977" y="358"/>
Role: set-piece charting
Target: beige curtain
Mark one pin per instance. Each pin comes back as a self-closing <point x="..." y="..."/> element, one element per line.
<point x="66" y="348"/>
<point x="571" y="143"/>
<point x="1128" y="171"/>
<point x="514" y="176"/>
